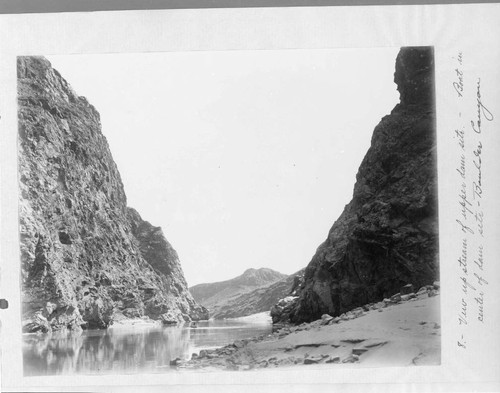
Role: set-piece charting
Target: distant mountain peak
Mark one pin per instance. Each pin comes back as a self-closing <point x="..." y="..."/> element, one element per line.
<point x="259" y="276"/>
<point x="212" y="294"/>
<point x="262" y="270"/>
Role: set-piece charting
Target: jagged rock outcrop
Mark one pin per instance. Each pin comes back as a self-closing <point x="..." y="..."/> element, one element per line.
<point x="387" y="236"/>
<point x="239" y="296"/>
<point x="86" y="259"/>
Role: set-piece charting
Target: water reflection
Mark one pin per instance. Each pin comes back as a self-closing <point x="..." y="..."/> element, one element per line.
<point x="132" y="350"/>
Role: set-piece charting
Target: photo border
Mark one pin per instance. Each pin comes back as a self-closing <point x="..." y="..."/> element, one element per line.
<point x="275" y="28"/>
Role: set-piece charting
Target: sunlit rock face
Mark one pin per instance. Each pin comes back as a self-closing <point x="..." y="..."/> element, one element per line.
<point x="86" y="258"/>
<point x="387" y="236"/>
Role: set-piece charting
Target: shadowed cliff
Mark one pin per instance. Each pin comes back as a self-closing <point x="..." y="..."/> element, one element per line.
<point x="387" y="236"/>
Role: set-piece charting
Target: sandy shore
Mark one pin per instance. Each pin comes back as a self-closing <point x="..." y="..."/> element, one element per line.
<point x="391" y="333"/>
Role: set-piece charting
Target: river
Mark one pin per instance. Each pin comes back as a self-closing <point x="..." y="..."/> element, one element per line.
<point x="144" y="349"/>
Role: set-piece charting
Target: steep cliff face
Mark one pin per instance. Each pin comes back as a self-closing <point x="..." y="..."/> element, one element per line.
<point x="86" y="259"/>
<point x="162" y="257"/>
<point x="387" y="236"/>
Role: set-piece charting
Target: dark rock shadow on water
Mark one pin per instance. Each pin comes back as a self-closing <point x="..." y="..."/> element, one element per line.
<point x="128" y="350"/>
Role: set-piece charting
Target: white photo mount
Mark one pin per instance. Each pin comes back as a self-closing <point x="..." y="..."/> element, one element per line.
<point x="467" y="57"/>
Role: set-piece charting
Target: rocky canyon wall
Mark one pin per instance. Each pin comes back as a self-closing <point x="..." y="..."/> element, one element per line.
<point x="86" y="258"/>
<point x="387" y="236"/>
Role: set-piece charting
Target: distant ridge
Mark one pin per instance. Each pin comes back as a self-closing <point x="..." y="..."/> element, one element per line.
<point x="260" y="299"/>
<point x="218" y="294"/>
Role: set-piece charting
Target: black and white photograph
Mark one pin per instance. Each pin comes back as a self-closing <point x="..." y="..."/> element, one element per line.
<point x="228" y="210"/>
<point x="230" y="199"/>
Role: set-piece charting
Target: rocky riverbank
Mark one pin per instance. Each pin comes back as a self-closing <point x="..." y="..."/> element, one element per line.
<point x="398" y="331"/>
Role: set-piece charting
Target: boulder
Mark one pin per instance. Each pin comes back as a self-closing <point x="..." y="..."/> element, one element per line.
<point x="281" y="311"/>
<point x="432" y="293"/>
<point x="396" y="298"/>
<point x="379" y="305"/>
<point x="238" y="344"/>
<point x="422" y="291"/>
<point x="407" y="297"/>
<point x="326" y="319"/>
<point x="351" y="359"/>
<point x="313" y="360"/>
<point x="263" y="364"/>
<point x="176" y="362"/>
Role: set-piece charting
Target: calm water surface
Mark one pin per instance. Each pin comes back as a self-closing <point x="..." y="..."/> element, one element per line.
<point x="128" y="350"/>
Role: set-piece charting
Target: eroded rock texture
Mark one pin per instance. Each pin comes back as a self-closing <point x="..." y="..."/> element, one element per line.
<point x="387" y="236"/>
<point x="86" y="259"/>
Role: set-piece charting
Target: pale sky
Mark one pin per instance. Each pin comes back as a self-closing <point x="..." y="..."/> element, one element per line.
<point x="244" y="158"/>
